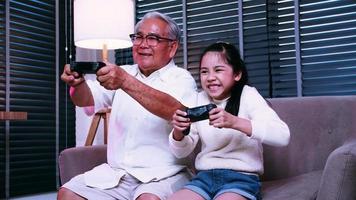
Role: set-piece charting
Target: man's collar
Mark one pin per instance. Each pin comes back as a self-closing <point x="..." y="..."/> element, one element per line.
<point x="156" y="73"/>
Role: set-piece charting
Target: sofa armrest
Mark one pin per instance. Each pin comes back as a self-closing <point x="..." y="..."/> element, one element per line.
<point x="77" y="160"/>
<point x="339" y="176"/>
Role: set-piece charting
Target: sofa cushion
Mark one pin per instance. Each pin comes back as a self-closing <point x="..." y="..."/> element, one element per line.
<point x="304" y="187"/>
<point x="339" y="176"/>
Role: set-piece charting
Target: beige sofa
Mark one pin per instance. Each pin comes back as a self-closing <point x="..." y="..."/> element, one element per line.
<point x="319" y="163"/>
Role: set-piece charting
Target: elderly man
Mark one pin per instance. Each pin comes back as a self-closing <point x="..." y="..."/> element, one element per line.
<point x="143" y="98"/>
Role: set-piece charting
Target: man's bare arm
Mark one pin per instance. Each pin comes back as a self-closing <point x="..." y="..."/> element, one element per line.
<point x="155" y="101"/>
<point x="159" y="103"/>
<point x="81" y="95"/>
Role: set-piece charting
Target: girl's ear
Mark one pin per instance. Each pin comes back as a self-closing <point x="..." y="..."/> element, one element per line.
<point x="238" y="76"/>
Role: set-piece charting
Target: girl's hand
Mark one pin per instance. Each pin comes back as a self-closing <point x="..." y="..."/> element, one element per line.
<point x="180" y="123"/>
<point x="219" y="118"/>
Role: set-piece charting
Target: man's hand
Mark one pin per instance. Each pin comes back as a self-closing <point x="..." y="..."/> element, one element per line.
<point x="71" y="78"/>
<point x="79" y="91"/>
<point x="111" y="76"/>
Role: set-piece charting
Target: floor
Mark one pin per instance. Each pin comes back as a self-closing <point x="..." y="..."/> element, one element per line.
<point x="46" y="196"/>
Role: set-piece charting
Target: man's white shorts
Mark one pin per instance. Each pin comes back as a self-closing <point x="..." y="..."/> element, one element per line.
<point x="129" y="187"/>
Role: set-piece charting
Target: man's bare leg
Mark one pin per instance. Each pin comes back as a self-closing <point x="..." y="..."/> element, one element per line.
<point x="66" y="194"/>
<point x="148" y="196"/>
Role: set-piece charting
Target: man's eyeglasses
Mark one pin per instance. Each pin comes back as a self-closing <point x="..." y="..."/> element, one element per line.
<point x="152" y="40"/>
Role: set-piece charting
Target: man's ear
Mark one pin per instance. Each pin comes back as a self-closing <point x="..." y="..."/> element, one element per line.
<point x="174" y="49"/>
<point x="238" y="76"/>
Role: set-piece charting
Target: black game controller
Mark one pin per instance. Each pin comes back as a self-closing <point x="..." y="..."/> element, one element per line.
<point x="86" y="67"/>
<point x="197" y="114"/>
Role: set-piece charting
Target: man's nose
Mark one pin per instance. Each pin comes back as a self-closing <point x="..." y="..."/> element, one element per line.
<point x="144" y="43"/>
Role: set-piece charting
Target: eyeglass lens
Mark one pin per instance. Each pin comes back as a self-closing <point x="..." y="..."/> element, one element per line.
<point x="151" y="40"/>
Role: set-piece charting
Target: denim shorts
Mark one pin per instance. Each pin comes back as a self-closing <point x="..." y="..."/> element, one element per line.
<point x="212" y="183"/>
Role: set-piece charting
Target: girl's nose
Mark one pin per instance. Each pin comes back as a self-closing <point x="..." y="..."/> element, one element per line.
<point x="211" y="76"/>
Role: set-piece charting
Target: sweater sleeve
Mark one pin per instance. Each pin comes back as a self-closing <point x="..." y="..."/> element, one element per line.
<point x="183" y="148"/>
<point x="267" y="127"/>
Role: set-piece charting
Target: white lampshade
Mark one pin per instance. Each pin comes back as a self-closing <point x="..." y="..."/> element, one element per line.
<point x="103" y="22"/>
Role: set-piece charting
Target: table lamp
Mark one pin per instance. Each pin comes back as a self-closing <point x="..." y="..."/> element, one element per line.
<point x="103" y="24"/>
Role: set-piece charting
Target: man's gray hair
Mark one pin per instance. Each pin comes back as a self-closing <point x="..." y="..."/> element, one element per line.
<point x="174" y="32"/>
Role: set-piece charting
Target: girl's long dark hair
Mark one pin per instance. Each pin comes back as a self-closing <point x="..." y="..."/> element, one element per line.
<point x="233" y="58"/>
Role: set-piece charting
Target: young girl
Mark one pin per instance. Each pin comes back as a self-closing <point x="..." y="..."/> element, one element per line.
<point x="230" y="160"/>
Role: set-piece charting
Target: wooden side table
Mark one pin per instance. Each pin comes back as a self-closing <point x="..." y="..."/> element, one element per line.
<point x="13" y="115"/>
<point x="6" y="116"/>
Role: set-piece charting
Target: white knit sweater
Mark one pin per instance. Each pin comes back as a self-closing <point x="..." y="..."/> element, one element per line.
<point x="228" y="148"/>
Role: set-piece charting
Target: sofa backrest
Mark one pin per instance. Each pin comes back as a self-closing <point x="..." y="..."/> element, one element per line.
<point x="318" y="125"/>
